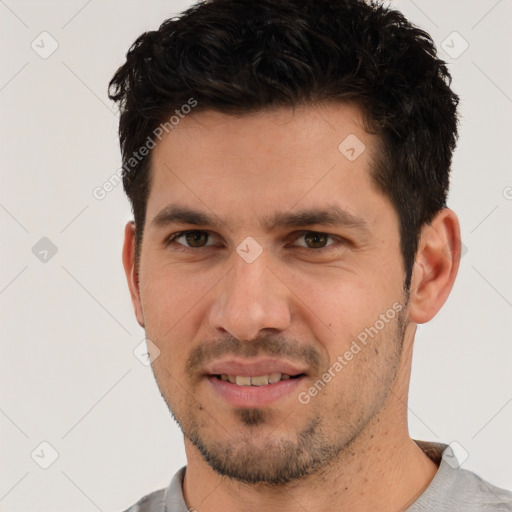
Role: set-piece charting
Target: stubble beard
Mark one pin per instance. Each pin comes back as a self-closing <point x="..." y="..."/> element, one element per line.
<point x="278" y="461"/>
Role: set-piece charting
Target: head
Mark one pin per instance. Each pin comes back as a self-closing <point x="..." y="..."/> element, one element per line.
<point x="244" y="57"/>
<point x="260" y="116"/>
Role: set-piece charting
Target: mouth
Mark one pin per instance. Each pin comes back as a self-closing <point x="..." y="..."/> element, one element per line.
<point x="244" y="391"/>
<point x="260" y="380"/>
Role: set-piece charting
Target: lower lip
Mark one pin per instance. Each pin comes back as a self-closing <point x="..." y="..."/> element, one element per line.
<point x="254" y="396"/>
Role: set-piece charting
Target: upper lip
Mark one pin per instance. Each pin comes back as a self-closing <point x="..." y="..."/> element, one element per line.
<point x="253" y="367"/>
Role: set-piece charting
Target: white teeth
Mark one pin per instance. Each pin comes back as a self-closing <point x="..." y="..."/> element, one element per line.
<point x="260" y="380"/>
<point x="243" y="381"/>
<point x="274" y="377"/>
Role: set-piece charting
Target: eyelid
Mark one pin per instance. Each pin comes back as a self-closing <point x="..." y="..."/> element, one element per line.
<point x="172" y="237"/>
<point x="296" y="235"/>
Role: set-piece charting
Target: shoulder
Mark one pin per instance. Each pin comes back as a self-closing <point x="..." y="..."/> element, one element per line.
<point x="460" y="490"/>
<point x="153" y="502"/>
<point x="455" y="489"/>
<point x="165" y="500"/>
<point x="472" y="492"/>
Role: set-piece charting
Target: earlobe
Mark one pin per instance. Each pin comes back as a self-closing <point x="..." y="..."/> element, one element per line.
<point x="436" y="266"/>
<point x="130" y="270"/>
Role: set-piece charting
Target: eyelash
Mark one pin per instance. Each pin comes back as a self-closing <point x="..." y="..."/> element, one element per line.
<point x="172" y="238"/>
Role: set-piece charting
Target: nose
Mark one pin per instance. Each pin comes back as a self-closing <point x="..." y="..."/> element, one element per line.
<point x="250" y="299"/>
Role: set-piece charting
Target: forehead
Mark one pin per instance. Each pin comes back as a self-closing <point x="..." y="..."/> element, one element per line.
<point x="275" y="130"/>
<point x="264" y="163"/>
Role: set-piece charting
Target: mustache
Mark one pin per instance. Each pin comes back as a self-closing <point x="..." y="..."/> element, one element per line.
<point x="266" y="345"/>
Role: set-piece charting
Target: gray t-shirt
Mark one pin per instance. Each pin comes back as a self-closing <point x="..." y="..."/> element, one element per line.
<point x="452" y="490"/>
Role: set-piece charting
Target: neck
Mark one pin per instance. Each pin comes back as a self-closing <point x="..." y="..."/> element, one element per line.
<point x="369" y="475"/>
<point x="382" y="469"/>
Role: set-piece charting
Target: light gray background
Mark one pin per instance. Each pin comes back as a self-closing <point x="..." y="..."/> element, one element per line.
<point x="68" y="373"/>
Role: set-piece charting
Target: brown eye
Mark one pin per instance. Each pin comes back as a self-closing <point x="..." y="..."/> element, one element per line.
<point x="196" y="238"/>
<point x="315" y="240"/>
<point x="190" y="239"/>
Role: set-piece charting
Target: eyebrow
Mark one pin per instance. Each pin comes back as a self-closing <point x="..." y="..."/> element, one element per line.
<point x="328" y="216"/>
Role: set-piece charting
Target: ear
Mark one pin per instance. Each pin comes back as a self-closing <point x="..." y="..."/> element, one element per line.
<point x="131" y="270"/>
<point x="436" y="266"/>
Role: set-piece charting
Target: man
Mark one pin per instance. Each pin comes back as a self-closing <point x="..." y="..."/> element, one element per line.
<point x="288" y="166"/>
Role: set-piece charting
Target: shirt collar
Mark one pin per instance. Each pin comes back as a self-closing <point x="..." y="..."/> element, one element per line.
<point x="175" y="502"/>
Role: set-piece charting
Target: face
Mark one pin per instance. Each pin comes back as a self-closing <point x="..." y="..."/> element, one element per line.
<point x="268" y="250"/>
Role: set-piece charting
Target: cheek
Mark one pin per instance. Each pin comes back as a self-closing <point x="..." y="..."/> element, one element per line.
<point x="363" y="328"/>
<point x="340" y="298"/>
<point x="364" y="368"/>
<point x="174" y="303"/>
<point x="169" y="293"/>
